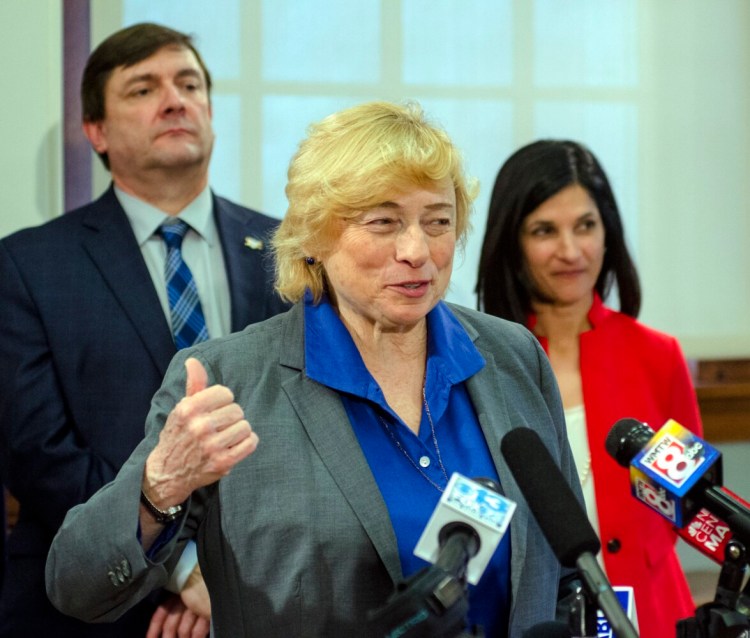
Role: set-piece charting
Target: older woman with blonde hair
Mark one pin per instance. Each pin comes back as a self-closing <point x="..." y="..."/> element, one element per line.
<point x="364" y="399"/>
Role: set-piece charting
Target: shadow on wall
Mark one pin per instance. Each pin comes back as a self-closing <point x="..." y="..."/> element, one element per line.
<point x="49" y="190"/>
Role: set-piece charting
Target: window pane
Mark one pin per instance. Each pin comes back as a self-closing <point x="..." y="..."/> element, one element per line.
<point x="458" y="43"/>
<point x="321" y="41"/>
<point x="215" y="25"/>
<point x="285" y="122"/>
<point x="483" y="131"/>
<point x="585" y="43"/>
<point x="611" y="132"/>
<point x="226" y="162"/>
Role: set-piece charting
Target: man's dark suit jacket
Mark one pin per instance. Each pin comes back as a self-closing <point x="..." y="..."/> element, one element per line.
<point x="84" y="345"/>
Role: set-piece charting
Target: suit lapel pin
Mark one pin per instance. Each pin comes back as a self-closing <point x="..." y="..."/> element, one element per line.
<point x="253" y="243"/>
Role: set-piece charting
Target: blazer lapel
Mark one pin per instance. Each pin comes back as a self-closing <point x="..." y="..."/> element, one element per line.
<point x="486" y="392"/>
<point x="247" y="258"/>
<point x="112" y="247"/>
<point x="327" y="424"/>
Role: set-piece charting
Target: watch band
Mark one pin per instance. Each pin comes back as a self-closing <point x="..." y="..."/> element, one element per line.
<point x="161" y="516"/>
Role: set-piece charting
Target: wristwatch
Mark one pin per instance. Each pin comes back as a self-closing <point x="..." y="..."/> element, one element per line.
<point x="162" y="517"/>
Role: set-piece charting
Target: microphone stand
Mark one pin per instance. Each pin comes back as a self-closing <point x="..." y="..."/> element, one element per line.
<point x="728" y="615"/>
<point x="577" y="607"/>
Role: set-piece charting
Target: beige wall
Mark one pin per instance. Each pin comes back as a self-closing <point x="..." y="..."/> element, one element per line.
<point x="694" y="220"/>
<point x="30" y="125"/>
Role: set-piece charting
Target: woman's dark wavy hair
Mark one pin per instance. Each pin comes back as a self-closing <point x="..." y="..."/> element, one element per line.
<point x="528" y="178"/>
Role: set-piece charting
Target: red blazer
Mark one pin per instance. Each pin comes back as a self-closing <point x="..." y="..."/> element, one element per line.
<point x="630" y="370"/>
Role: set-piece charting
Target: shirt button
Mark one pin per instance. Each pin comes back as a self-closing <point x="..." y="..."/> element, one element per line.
<point x="613" y="545"/>
<point x="424" y="461"/>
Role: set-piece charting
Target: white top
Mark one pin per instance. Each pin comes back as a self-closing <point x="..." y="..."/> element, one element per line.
<point x="575" y="422"/>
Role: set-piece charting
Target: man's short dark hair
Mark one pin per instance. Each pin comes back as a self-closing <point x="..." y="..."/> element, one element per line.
<point x="126" y="48"/>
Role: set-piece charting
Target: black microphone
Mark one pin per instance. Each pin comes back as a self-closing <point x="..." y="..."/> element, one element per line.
<point x="562" y="520"/>
<point x="459" y="543"/>
<point x="676" y="474"/>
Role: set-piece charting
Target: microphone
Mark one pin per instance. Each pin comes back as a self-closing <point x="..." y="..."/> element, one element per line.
<point x="676" y="474"/>
<point x="562" y="520"/>
<point x="460" y="538"/>
<point x="466" y="527"/>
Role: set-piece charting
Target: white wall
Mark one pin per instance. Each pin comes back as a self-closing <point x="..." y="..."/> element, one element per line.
<point x="30" y="125"/>
<point x="694" y="216"/>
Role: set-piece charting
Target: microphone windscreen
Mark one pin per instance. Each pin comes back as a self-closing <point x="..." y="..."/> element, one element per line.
<point x="561" y="517"/>
<point x="626" y="438"/>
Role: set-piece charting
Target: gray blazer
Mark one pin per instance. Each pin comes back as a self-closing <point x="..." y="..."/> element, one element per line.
<point x="297" y="540"/>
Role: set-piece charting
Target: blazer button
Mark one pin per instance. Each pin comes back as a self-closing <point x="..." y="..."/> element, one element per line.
<point x="113" y="578"/>
<point x="613" y="545"/>
<point x="125" y="568"/>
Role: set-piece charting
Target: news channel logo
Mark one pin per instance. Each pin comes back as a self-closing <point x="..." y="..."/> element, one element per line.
<point x="668" y="467"/>
<point x="675" y="455"/>
<point x="478" y="502"/>
<point x="710" y="533"/>
<point x="655" y="496"/>
<point x="626" y="598"/>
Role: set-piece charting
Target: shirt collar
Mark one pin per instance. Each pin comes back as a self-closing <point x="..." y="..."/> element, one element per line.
<point x="598" y="311"/>
<point x="332" y="358"/>
<point x="596" y="314"/>
<point x="145" y="219"/>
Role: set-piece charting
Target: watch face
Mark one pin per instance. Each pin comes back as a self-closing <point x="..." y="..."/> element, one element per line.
<point x="172" y="513"/>
<point x="161" y="516"/>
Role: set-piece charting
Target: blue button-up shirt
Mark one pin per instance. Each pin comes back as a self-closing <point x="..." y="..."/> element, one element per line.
<point x="410" y="488"/>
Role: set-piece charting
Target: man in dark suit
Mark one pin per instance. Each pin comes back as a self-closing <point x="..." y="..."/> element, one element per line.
<point x="3" y="531"/>
<point x="85" y="319"/>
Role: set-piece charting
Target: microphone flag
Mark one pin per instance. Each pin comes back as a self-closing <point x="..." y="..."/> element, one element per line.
<point x="481" y="508"/>
<point x="668" y="466"/>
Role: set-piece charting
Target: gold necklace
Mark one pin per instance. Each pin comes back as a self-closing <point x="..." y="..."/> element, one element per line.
<point x="434" y="442"/>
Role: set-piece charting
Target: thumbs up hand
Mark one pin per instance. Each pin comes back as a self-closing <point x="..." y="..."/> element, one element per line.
<point x="205" y="436"/>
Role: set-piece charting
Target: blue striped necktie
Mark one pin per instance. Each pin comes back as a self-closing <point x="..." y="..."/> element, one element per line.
<point x="188" y="322"/>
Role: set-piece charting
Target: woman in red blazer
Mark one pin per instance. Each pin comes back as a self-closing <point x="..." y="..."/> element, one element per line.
<point x="553" y="248"/>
